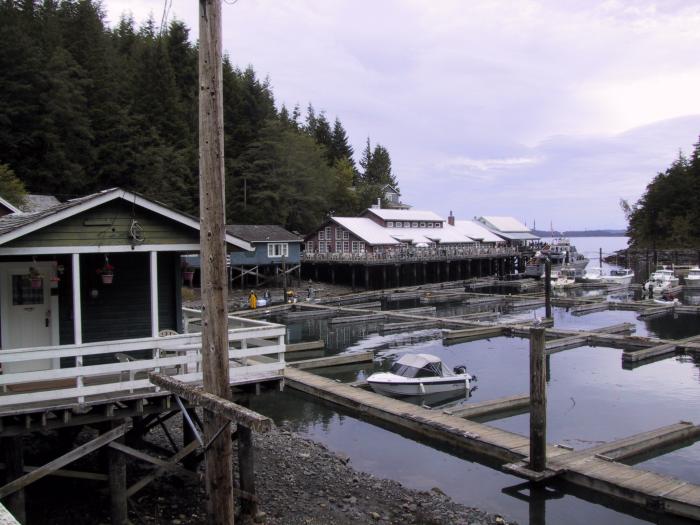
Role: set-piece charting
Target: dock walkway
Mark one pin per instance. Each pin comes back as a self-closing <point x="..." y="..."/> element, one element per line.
<point x="591" y="468"/>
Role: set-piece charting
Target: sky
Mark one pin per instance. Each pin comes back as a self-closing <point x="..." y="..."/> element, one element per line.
<point x="550" y="111"/>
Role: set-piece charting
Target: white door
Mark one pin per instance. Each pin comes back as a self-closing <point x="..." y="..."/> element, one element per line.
<point x="26" y="311"/>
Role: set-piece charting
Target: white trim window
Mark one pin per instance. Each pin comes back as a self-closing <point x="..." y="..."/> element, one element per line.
<point x="322" y="247"/>
<point x="414" y="225"/>
<point x="397" y="224"/>
<point x="310" y="246"/>
<point x="277" y="249"/>
<point x="429" y="224"/>
<point x="338" y="246"/>
<point x="321" y="236"/>
<point x="390" y="224"/>
<point x="361" y="246"/>
<point x="346" y="246"/>
<point x="329" y="235"/>
<point x="338" y="232"/>
<point x="406" y="224"/>
<point x="346" y="235"/>
<point x="438" y="225"/>
<point x="422" y="225"/>
<point x="355" y="246"/>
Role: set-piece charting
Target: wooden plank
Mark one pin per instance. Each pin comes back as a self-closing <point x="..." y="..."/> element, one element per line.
<point x="349" y="319"/>
<point x="474" y="333"/>
<point x="337" y="360"/>
<point x="566" y="343"/>
<point x="485" y="408"/>
<point x="648" y="353"/>
<point x="173" y="467"/>
<point x="307" y="345"/>
<point x="63" y="460"/>
<point x="589" y="308"/>
<point x="211" y="402"/>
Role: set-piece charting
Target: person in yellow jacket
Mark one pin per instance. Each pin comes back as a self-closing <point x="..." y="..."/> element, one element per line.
<point x="252" y="300"/>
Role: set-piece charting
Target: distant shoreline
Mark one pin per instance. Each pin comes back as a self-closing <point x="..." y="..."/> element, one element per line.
<point x="579" y="233"/>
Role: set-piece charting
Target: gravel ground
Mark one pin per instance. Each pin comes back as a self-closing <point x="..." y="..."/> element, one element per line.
<point x="301" y="482"/>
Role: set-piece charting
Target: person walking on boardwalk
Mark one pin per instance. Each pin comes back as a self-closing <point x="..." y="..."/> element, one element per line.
<point x="252" y="300"/>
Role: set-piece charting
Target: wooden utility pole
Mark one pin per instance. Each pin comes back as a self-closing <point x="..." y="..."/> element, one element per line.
<point x="219" y="475"/>
<point x="538" y="401"/>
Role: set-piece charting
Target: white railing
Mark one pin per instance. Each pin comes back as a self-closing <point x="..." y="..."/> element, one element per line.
<point x="417" y="254"/>
<point x="175" y="355"/>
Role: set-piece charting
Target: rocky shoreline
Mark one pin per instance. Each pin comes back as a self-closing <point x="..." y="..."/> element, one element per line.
<point x="301" y="482"/>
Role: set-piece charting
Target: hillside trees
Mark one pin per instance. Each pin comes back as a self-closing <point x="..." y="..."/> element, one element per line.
<point x="84" y="107"/>
<point x="668" y="213"/>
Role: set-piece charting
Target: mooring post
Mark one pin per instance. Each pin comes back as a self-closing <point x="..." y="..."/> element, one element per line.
<point x="600" y="258"/>
<point x="538" y="401"/>
<point x="548" y="288"/>
<point x="117" y="483"/>
<point x="212" y="239"/>
<point x="246" y="462"/>
<point x="352" y="276"/>
<point x="366" y="277"/>
<point x="397" y="269"/>
<point x="13" y="456"/>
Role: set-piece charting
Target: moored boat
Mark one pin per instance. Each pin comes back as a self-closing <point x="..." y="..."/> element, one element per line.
<point x="419" y="374"/>
<point x="619" y="276"/>
<point x="692" y="280"/>
<point x="661" y="280"/>
<point x="561" y="253"/>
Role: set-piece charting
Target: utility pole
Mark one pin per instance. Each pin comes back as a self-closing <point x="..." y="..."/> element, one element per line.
<point x="218" y="455"/>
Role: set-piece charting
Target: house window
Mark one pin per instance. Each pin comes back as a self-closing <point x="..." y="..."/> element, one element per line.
<point x="406" y="224"/>
<point x="390" y="224"/>
<point x="397" y="225"/>
<point x="321" y="247"/>
<point x="414" y="225"/>
<point x="328" y="246"/>
<point x="338" y="233"/>
<point x="354" y="246"/>
<point x="310" y="246"/>
<point x="361" y="246"/>
<point x="438" y="225"/>
<point x="422" y="225"/>
<point x="430" y="225"/>
<point x="277" y="249"/>
<point x="321" y="236"/>
<point x="346" y="246"/>
<point x="338" y="246"/>
<point x="328" y="233"/>
<point x="23" y="293"/>
<point x="346" y="235"/>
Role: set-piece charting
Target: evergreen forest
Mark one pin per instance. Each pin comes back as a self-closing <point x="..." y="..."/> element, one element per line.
<point x="85" y="107"/>
<point x="668" y="213"/>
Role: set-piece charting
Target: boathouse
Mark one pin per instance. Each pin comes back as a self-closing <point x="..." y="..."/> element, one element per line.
<point x="276" y="252"/>
<point x="511" y="230"/>
<point x="90" y="305"/>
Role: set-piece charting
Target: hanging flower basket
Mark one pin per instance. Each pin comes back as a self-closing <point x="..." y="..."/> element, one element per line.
<point x="188" y="275"/>
<point x="36" y="282"/>
<point x="106" y="273"/>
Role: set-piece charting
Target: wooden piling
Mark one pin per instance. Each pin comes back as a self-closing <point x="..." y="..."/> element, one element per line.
<point x="13" y="455"/>
<point x="548" y="288"/>
<point x="538" y="401"/>
<point x="246" y="471"/>
<point x="117" y="484"/>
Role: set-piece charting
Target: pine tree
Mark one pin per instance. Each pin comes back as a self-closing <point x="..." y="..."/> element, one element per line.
<point x="340" y="147"/>
<point x="11" y="188"/>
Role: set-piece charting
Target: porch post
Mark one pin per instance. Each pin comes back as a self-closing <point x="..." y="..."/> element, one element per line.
<point x="77" y="307"/>
<point x="154" y="293"/>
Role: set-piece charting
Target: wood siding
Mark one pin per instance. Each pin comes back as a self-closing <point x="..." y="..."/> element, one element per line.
<point x="108" y="225"/>
<point x="259" y="256"/>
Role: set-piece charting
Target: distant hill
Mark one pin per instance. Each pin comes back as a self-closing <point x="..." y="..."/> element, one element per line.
<point x="579" y="233"/>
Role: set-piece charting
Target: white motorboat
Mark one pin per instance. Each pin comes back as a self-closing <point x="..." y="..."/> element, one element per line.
<point x="561" y="253"/>
<point x="692" y="280"/>
<point x="593" y="275"/>
<point x="619" y="276"/>
<point x="419" y="374"/>
<point x="661" y="280"/>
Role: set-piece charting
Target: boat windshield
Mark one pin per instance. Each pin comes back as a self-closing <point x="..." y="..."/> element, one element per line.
<point x="429" y="370"/>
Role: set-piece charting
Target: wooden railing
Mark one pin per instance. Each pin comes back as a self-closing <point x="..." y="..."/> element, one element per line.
<point x="124" y="364"/>
<point x="416" y="255"/>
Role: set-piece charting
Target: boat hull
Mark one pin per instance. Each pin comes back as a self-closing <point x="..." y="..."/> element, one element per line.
<point x="419" y="388"/>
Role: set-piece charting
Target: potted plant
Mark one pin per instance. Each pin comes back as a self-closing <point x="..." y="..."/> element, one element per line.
<point x="106" y="272"/>
<point x="35" y="278"/>
<point x="187" y="272"/>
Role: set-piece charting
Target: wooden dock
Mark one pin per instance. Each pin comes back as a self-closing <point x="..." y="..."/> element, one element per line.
<point x="594" y="469"/>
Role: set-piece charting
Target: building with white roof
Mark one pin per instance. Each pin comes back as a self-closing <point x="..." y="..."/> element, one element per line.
<point x="508" y="228"/>
<point x="380" y="230"/>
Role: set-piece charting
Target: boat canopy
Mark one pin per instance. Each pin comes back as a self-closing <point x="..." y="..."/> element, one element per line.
<point x="417" y="365"/>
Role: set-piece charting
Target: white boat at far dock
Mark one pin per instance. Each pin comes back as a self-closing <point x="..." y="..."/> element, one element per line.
<point x="661" y="280"/>
<point x="621" y="276"/>
<point x="692" y="280"/>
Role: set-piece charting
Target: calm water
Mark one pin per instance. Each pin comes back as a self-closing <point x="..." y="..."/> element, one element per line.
<point x="591" y="399"/>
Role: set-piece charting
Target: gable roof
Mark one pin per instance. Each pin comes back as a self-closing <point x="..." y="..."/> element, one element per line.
<point x="19" y="224"/>
<point x="477" y="231"/>
<point x="392" y="214"/>
<point x="262" y="233"/>
<point x="505" y="224"/>
<point x="9" y="206"/>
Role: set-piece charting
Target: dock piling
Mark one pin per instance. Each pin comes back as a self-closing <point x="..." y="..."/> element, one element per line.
<point x="538" y="401"/>
<point x="548" y="288"/>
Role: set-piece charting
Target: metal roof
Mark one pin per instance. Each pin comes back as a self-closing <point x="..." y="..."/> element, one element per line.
<point x="477" y="231"/>
<point x="505" y="224"/>
<point x="262" y="233"/>
<point x="404" y="215"/>
<point x="375" y="234"/>
<point x="518" y="236"/>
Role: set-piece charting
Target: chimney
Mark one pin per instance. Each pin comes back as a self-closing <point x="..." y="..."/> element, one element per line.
<point x="451" y="219"/>
<point x="379" y="203"/>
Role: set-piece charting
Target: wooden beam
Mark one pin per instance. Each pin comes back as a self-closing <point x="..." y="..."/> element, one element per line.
<point x="172" y="467"/>
<point x="62" y="461"/>
<point x="183" y="452"/>
<point x="305" y="346"/>
<point x="224" y="407"/>
<point x="485" y="408"/>
<point x="335" y="360"/>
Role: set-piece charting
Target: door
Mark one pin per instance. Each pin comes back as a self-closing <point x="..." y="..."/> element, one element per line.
<point x="26" y="311"/>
